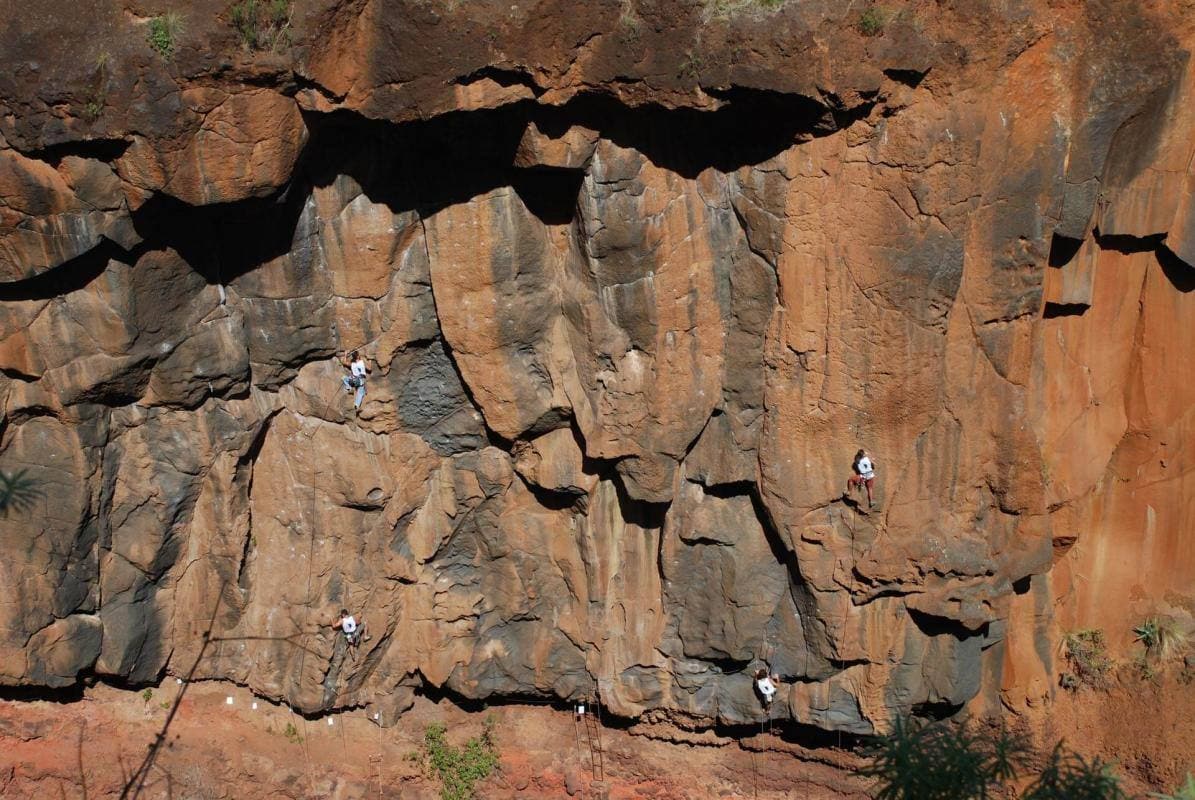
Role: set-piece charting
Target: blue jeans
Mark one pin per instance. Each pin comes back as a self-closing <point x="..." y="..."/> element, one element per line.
<point x="348" y="381"/>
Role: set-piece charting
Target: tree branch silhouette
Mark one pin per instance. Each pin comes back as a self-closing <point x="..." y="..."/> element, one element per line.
<point x="135" y="783"/>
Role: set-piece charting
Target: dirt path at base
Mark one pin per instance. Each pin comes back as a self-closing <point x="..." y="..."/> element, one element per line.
<point x="217" y="750"/>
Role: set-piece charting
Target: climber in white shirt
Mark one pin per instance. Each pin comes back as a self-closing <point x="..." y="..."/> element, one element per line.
<point x="352" y="629"/>
<point x="765" y="684"/>
<point x="864" y="476"/>
<point x="358" y="371"/>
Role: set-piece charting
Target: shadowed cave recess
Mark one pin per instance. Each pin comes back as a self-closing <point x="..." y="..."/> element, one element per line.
<point x="622" y="358"/>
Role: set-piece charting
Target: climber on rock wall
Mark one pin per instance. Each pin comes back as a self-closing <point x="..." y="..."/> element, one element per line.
<point x="358" y="371"/>
<point x="352" y="629"/>
<point x="864" y="474"/>
<point x="765" y="684"/>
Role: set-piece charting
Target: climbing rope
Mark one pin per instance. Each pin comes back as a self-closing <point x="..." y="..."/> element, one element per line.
<point x="344" y="742"/>
<point x="597" y="705"/>
<point x="306" y="632"/>
<point x="767" y="662"/>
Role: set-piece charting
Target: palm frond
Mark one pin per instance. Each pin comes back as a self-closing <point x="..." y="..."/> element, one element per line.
<point x="18" y="491"/>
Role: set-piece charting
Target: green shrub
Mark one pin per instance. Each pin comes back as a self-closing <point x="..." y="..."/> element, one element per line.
<point x="262" y="24"/>
<point x="460" y="768"/>
<point x="164" y="31"/>
<point x="630" y="25"/>
<point x="941" y="762"/>
<point x="1087" y="654"/>
<point x="1184" y="792"/>
<point x="1145" y="667"/>
<point x="292" y="734"/>
<point x="692" y="65"/>
<point x="1163" y="637"/>
<point x="1147" y="633"/>
<point x="871" y="22"/>
<point x="722" y="9"/>
<point x="97" y="94"/>
<point x="147" y="695"/>
<point x="1068" y="776"/>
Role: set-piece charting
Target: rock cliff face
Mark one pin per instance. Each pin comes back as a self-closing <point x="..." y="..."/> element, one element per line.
<point x="636" y="280"/>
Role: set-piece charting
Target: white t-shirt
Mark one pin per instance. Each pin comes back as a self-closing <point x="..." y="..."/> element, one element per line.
<point x="766" y="687"/>
<point x="348" y="624"/>
<point x="358" y="368"/>
<point x="865" y="468"/>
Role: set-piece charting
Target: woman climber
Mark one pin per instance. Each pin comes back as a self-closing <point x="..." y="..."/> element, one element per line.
<point x="358" y="370"/>
<point x="864" y="476"/>
<point x="765" y="684"/>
